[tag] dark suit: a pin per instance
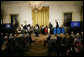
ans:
(57, 25)
(37, 31)
(25, 27)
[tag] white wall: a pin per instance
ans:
(22, 9)
(56, 11)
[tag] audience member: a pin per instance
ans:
(61, 44)
(72, 34)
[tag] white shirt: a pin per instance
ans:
(21, 28)
(48, 30)
(28, 28)
(36, 27)
(55, 37)
(43, 27)
(10, 37)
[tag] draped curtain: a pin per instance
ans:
(41, 17)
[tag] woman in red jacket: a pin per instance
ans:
(46, 30)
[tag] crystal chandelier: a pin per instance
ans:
(36, 5)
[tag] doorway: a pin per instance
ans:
(14, 21)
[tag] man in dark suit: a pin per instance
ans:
(51, 28)
(29, 29)
(28, 40)
(57, 25)
(42, 29)
(37, 30)
(11, 45)
(50, 25)
(46, 41)
(25, 26)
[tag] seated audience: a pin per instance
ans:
(51, 28)
(72, 34)
(60, 44)
(28, 40)
(46, 41)
(57, 25)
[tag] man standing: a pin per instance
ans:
(50, 25)
(51, 28)
(57, 25)
(37, 30)
(25, 26)
(29, 29)
(21, 29)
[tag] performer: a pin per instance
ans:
(42, 29)
(25, 26)
(37, 30)
(50, 25)
(57, 25)
(29, 29)
(22, 30)
(51, 28)
(21, 27)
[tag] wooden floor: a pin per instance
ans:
(40, 38)
(37, 48)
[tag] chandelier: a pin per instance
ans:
(36, 5)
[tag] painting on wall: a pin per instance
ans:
(67, 19)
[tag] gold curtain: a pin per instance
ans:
(42, 17)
